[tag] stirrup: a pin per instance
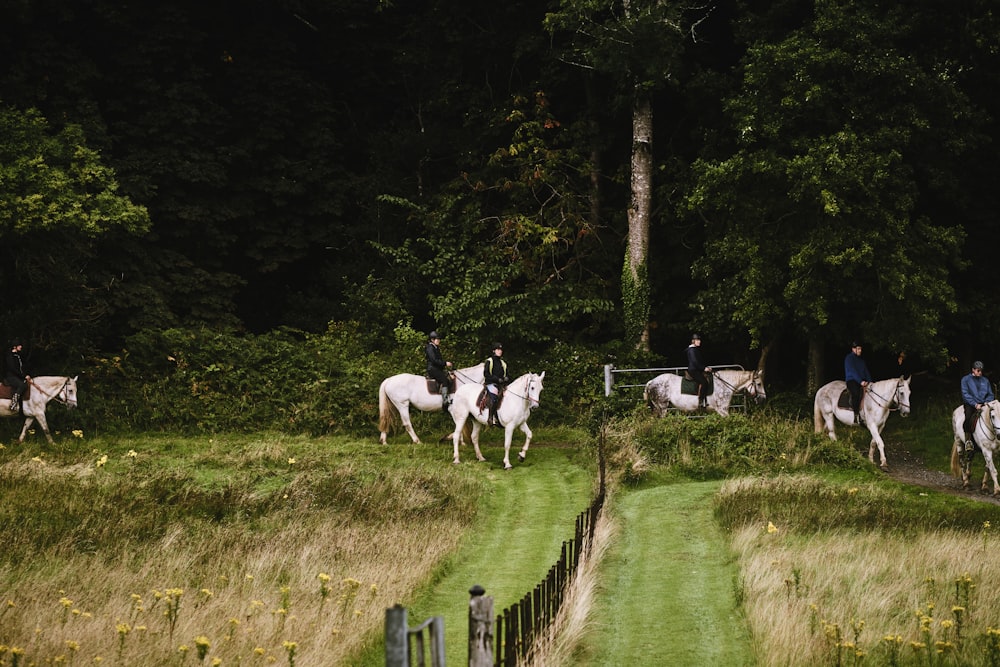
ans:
(969, 447)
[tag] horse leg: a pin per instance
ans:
(527, 441)
(24, 431)
(476, 428)
(961, 464)
(404, 416)
(508, 435)
(991, 471)
(829, 422)
(877, 441)
(456, 437)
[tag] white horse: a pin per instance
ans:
(986, 435)
(520, 397)
(665, 390)
(397, 393)
(42, 390)
(879, 399)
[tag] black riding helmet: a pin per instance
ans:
(432, 335)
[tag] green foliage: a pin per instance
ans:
(59, 202)
(809, 503)
(839, 124)
(52, 180)
(715, 447)
(213, 381)
(507, 246)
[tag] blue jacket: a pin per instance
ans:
(976, 390)
(856, 369)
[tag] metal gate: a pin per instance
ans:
(622, 378)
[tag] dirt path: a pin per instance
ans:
(908, 468)
(667, 595)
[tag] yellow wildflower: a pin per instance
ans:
(77, 433)
(771, 528)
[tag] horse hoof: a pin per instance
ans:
(520, 457)
(481, 459)
(884, 467)
(455, 462)
(508, 467)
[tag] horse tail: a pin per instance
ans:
(817, 415)
(387, 412)
(956, 460)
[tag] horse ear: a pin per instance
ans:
(542, 376)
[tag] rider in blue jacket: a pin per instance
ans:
(857, 377)
(976, 392)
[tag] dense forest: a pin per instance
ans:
(782, 177)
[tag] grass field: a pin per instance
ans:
(748, 540)
(160, 550)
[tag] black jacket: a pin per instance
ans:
(495, 371)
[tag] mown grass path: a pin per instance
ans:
(667, 593)
(521, 528)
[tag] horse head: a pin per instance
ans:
(534, 388)
(994, 412)
(68, 392)
(902, 396)
(756, 386)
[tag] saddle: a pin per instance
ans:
(434, 387)
(483, 402)
(844, 401)
(7, 392)
(689, 385)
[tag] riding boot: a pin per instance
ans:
(969, 446)
(857, 417)
(445, 398)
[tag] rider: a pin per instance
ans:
(14, 373)
(976, 391)
(697, 368)
(857, 376)
(495, 378)
(437, 367)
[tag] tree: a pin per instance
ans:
(508, 249)
(815, 219)
(57, 201)
(638, 42)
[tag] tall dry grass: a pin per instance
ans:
(872, 595)
(265, 551)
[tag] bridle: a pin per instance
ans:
(895, 400)
(532, 402)
(980, 424)
(751, 386)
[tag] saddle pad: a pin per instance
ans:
(845, 400)
(434, 387)
(483, 401)
(690, 387)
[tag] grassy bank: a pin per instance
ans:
(160, 550)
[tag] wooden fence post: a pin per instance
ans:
(397, 653)
(480, 628)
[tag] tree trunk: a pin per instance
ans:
(815, 369)
(637, 312)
